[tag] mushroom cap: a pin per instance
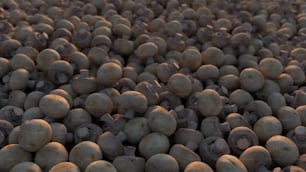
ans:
(136, 128)
(209, 103)
(100, 165)
(251, 79)
(270, 67)
(198, 166)
(255, 157)
(85, 153)
(180, 85)
(162, 121)
(64, 166)
(230, 163)
(161, 162)
(54, 106)
(213, 55)
(109, 73)
(132, 100)
(26, 166)
(283, 151)
(98, 104)
(110, 145)
(266, 127)
(183, 155)
(129, 164)
(34, 134)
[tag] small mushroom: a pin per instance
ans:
(183, 155)
(212, 148)
(198, 166)
(288, 117)
(169, 100)
(283, 151)
(129, 162)
(241, 138)
(59, 133)
(191, 138)
(150, 90)
(100, 165)
(28, 166)
(87, 132)
(236, 120)
(95, 106)
(54, 106)
(5, 129)
(130, 102)
(161, 162)
(109, 73)
(37, 40)
(298, 135)
(180, 85)
(12, 114)
(230, 163)
(213, 56)
(266, 127)
(111, 145)
(13, 154)
(64, 166)
(209, 103)
(84, 153)
(152, 144)
(256, 158)
(31, 140)
(76, 117)
(83, 83)
(50, 154)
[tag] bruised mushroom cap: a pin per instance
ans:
(34, 134)
(198, 166)
(132, 100)
(161, 162)
(85, 153)
(54, 106)
(64, 166)
(230, 163)
(283, 151)
(13, 154)
(209, 103)
(98, 104)
(26, 166)
(162, 121)
(100, 165)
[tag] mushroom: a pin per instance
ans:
(235, 120)
(251, 79)
(183, 155)
(270, 67)
(213, 56)
(12, 114)
(301, 112)
(169, 100)
(162, 121)
(129, 162)
(198, 166)
(266, 127)
(180, 85)
(241, 98)
(28, 166)
(37, 40)
(135, 129)
(301, 161)
(191, 138)
(256, 158)
(212, 148)
(209, 103)
(60, 72)
(288, 117)
(83, 83)
(130, 102)
(230, 163)
(298, 135)
(22, 61)
(84, 153)
(211, 126)
(283, 151)
(50, 154)
(152, 144)
(87, 132)
(150, 90)
(109, 73)
(296, 73)
(94, 106)
(161, 162)
(241, 138)
(31, 140)
(60, 134)
(64, 166)
(5, 129)
(185, 117)
(32, 99)
(76, 117)
(19, 79)
(4, 66)
(100, 165)
(54, 106)
(17, 98)
(13, 154)
(111, 145)
(275, 101)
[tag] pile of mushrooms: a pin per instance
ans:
(152, 86)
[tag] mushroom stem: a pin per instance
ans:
(219, 146)
(191, 145)
(225, 127)
(129, 114)
(300, 133)
(121, 136)
(84, 73)
(83, 132)
(107, 120)
(129, 150)
(243, 143)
